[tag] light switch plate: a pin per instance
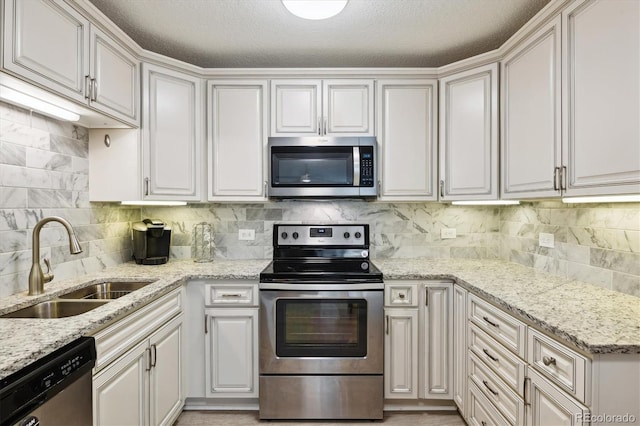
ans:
(546, 240)
(447, 233)
(246, 234)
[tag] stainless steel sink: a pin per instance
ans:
(56, 309)
(107, 290)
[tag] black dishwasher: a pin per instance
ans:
(54, 390)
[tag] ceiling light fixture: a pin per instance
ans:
(315, 9)
(29, 102)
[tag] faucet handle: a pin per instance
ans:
(48, 276)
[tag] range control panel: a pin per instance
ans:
(321, 235)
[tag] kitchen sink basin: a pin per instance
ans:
(106, 290)
(56, 309)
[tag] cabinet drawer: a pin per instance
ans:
(121, 336)
(505, 364)
(481, 411)
(559, 364)
(401, 294)
(500, 394)
(498, 324)
(231, 294)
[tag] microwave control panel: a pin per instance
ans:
(366, 166)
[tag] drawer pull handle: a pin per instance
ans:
(548, 360)
(486, 385)
(493, 358)
(491, 322)
(232, 295)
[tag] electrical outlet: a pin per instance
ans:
(447, 233)
(546, 240)
(246, 234)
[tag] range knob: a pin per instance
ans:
(364, 266)
(346, 235)
(295, 235)
(284, 235)
(358, 235)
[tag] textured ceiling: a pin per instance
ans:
(368, 33)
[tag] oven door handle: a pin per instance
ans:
(321, 287)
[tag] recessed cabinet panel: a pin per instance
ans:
(48, 42)
(469, 135)
(348, 107)
(295, 107)
(601, 97)
(531, 121)
(237, 139)
(172, 132)
(117, 75)
(438, 344)
(407, 113)
(401, 353)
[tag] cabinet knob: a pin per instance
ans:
(548, 360)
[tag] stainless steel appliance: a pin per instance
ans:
(55, 390)
(151, 241)
(322, 167)
(321, 325)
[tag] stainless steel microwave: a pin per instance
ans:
(322, 167)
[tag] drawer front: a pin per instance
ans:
(481, 411)
(127, 332)
(231, 294)
(505, 364)
(499, 393)
(498, 324)
(558, 363)
(401, 294)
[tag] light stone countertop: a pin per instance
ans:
(589, 318)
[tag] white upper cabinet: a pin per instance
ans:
(469, 135)
(407, 133)
(115, 74)
(237, 136)
(531, 115)
(47, 42)
(322, 107)
(54, 46)
(601, 97)
(172, 134)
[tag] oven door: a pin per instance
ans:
(321, 332)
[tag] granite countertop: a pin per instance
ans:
(589, 318)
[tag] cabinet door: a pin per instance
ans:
(437, 369)
(166, 390)
(550, 406)
(460, 348)
(407, 114)
(172, 134)
(601, 108)
(401, 354)
(237, 133)
(47, 42)
(296, 107)
(531, 116)
(120, 391)
(116, 76)
(232, 352)
(469, 135)
(347, 107)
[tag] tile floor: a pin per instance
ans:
(241, 418)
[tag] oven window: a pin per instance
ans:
(321, 327)
(312, 166)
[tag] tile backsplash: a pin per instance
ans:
(44, 171)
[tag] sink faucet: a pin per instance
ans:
(37, 278)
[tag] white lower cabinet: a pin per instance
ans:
(460, 349)
(231, 340)
(138, 375)
(418, 340)
(548, 405)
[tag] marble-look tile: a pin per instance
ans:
(69, 146)
(24, 177)
(11, 198)
(13, 113)
(11, 241)
(49, 198)
(40, 159)
(590, 274)
(626, 283)
(612, 216)
(12, 154)
(21, 134)
(616, 260)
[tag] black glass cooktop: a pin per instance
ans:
(321, 270)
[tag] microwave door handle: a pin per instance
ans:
(356, 166)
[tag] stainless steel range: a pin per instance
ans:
(321, 325)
